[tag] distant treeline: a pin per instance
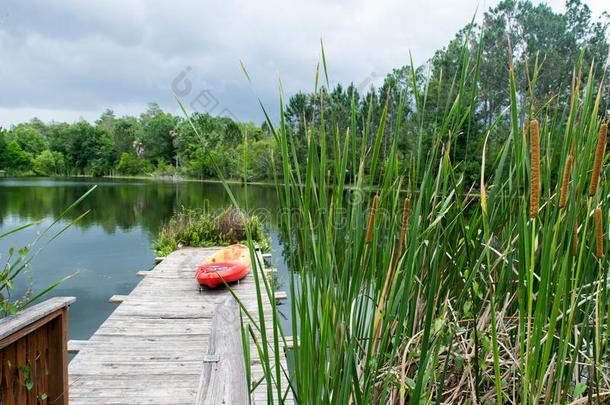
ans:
(156, 142)
(542, 45)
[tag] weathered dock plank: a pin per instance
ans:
(75, 346)
(281, 296)
(117, 299)
(223, 380)
(167, 343)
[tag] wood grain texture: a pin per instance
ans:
(223, 380)
(11, 324)
(33, 356)
(153, 348)
(75, 346)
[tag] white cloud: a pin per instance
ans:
(74, 59)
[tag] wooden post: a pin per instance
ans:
(33, 352)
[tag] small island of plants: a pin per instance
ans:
(197, 228)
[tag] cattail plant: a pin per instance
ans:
(392, 271)
(575, 240)
(599, 156)
(371, 225)
(563, 195)
(535, 168)
(599, 231)
(370, 332)
(403, 227)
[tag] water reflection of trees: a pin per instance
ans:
(125, 204)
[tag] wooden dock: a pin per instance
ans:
(167, 343)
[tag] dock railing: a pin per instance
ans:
(33, 354)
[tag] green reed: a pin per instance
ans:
(412, 286)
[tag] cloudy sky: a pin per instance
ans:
(69, 59)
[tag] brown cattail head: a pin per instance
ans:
(534, 168)
(575, 240)
(563, 195)
(599, 156)
(371, 226)
(599, 252)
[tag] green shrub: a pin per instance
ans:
(202, 164)
(98, 167)
(133, 165)
(260, 154)
(196, 228)
(165, 169)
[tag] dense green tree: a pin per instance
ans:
(125, 130)
(15, 159)
(28, 137)
(49, 163)
(58, 137)
(253, 132)
(107, 121)
(100, 152)
(261, 157)
(300, 109)
(216, 141)
(232, 132)
(87, 149)
(542, 44)
(156, 134)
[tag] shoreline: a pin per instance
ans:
(166, 179)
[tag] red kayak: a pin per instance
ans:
(214, 274)
(228, 265)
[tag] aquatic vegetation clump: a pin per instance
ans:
(197, 228)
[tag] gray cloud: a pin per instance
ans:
(69, 59)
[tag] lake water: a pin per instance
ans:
(106, 248)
